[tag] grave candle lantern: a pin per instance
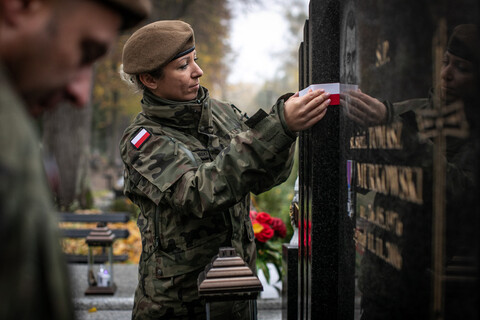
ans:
(228, 277)
(100, 279)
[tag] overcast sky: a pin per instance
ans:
(255, 39)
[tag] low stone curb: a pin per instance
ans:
(125, 303)
(102, 303)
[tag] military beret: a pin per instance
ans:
(132, 12)
(156, 44)
(464, 42)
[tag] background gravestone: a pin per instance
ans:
(389, 215)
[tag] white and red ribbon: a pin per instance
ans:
(333, 88)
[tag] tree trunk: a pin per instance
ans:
(66, 139)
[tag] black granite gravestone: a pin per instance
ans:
(389, 179)
(289, 281)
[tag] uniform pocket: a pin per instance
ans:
(184, 261)
(249, 230)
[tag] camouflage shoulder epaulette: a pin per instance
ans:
(236, 109)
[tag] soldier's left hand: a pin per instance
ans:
(303, 112)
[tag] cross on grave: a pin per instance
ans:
(447, 120)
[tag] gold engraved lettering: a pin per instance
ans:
(411, 185)
(394, 138)
(393, 223)
(362, 212)
(383, 180)
(361, 176)
(390, 138)
(402, 182)
(387, 251)
(392, 175)
(375, 137)
(371, 242)
(358, 142)
(371, 214)
(371, 176)
(379, 247)
(361, 238)
(399, 228)
(386, 137)
(386, 219)
(380, 217)
(394, 256)
(418, 185)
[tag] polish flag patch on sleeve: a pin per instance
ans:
(140, 138)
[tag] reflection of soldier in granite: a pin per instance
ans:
(450, 110)
(459, 83)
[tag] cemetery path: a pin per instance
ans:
(119, 306)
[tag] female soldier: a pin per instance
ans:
(190, 163)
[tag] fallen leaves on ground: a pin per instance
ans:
(132, 246)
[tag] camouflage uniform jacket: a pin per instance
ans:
(192, 177)
(33, 273)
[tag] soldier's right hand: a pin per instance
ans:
(303, 112)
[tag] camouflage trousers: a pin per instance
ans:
(177, 298)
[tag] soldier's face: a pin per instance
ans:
(60, 47)
(180, 80)
(458, 78)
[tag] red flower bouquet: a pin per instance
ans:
(267, 230)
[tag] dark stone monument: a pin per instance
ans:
(290, 264)
(389, 217)
(289, 281)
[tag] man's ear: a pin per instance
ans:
(148, 81)
(12, 11)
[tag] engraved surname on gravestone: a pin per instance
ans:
(381, 137)
(386, 137)
(400, 181)
(359, 141)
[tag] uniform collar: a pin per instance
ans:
(180, 114)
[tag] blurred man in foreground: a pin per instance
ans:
(47, 50)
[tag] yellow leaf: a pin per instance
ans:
(92, 310)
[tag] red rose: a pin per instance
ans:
(264, 217)
(265, 234)
(279, 227)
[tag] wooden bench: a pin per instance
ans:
(114, 217)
